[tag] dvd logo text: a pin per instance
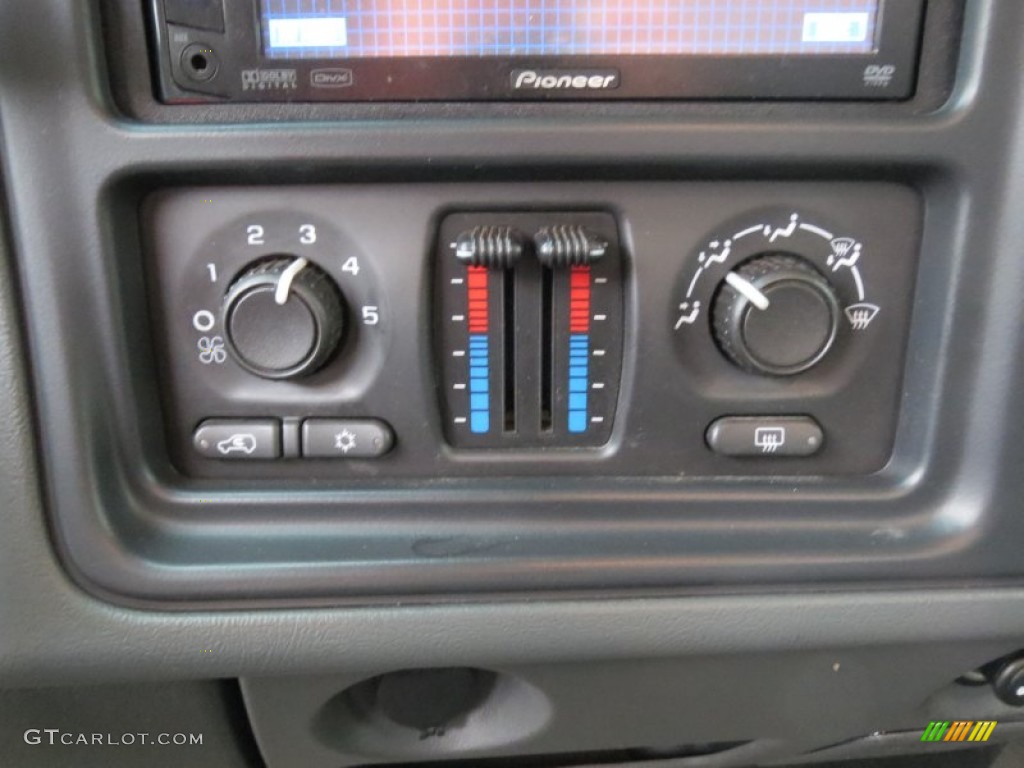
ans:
(562, 80)
(879, 75)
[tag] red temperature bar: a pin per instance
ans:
(579, 300)
(477, 287)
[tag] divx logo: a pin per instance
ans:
(565, 79)
(331, 78)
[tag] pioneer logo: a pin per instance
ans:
(331, 78)
(565, 79)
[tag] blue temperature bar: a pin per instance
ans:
(579, 381)
(479, 384)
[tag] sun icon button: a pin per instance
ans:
(346, 438)
(345, 441)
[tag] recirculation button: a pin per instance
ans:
(238, 439)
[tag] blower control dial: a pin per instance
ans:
(775, 315)
(284, 318)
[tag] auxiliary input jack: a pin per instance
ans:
(199, 62)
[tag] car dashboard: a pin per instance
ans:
(483, 402)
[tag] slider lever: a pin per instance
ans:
(490, 246)
(568, 246)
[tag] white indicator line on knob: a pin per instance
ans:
(749, 290)
(284, 282)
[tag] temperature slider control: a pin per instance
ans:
(529, 328)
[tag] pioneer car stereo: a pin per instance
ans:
(459, 50)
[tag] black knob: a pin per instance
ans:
(283, 318)
(775, 315)
(1008, 683)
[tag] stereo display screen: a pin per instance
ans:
(366, 29)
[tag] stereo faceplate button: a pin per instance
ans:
(765, 436)
(238, 439)
(346, 438)
(200, 14)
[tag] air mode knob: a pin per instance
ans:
(284, 318)
(775, 315)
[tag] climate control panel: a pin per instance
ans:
(529, 328)
(795, 318)
(362, 333)
(779, 296)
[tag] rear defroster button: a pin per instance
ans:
(346, 438)
(765, 436)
